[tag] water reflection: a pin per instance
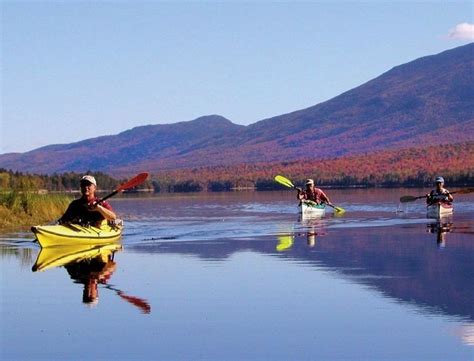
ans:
(210, 251)
(400, 265)
(441, 227)
(90, 266)
(92, 272)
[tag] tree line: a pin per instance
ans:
(64, 182)
(394, 168)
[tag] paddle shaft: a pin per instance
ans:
(406, 199)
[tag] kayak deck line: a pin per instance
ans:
(92, 232)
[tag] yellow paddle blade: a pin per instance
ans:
(339, 210)
(284, 243)
(284, 181)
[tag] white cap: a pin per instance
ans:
(309, 181)
(89, 179)
(439, 180)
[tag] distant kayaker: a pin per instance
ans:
(440, 194)
(86, 210)
(312, 193)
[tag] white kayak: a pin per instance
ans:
(438, 210)
(312, 210)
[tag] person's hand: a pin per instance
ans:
(93, 206)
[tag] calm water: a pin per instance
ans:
(237, 276)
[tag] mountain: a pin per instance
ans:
(428, 101)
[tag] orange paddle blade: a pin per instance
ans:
(135, 181)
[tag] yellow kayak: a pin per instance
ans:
(75, 234)
(51, 257)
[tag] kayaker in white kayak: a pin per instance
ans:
(440, 194)
(312, 193)
(86, 210)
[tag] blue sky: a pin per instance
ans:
(72, 70)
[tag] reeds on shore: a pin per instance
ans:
(21, 210)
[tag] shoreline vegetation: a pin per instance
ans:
(21, 210)
(28, 199)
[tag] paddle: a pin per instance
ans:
(405, 199)
(288, 183)
(135, 181)
(142, 304)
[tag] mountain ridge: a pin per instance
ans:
(429, 100)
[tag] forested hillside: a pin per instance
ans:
(408, 167)
(428, 101)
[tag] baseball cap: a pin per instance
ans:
(89, 178)
(309, 181)
(439, 180)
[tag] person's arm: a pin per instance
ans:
(108, 214)
(449, 196)
(324, 197)
(300, 194)
(105, 209)
(429, 198)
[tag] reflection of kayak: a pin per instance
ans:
(64, 255)
(74, 234)
(312, 210)
(439, 209)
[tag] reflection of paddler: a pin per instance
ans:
(440, 229)
(98, 270)
(311, 239)
(87, 265)
(90, 273)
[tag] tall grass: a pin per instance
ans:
(20, 210)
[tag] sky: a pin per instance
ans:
(73, 70)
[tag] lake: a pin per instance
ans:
(237, 276)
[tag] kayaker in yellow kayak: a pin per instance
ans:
(87, 210)
(440, 194)
(311, 193)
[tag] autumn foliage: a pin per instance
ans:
(406, 167)
(391, 168)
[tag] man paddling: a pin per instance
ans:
(87, 210)
(311, 193)
(440, 194)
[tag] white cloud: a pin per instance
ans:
(463, 31)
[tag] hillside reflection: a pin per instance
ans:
(402, 266)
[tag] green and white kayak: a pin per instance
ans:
(75, 234)
(310, 209)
